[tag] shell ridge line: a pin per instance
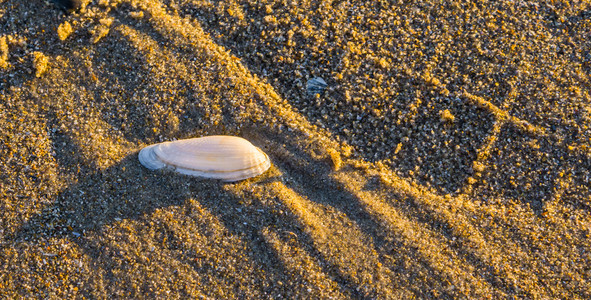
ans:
(191, 151)
(220, 171)
(173, 163)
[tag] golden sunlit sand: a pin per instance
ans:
(448, 156)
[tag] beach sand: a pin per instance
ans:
(448, 157)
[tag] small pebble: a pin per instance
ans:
(315, 86)
(68, 5)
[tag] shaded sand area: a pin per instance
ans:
(449, 156)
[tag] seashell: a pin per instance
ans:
(228, 158)
(315, 86)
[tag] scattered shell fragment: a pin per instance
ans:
(228, 158)
(335, 157)
(3, 52)
(40, 62)
(315, 86)
(446, 116)
(64, 30)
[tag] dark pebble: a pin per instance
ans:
(68, 5)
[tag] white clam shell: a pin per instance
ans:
(228, 158)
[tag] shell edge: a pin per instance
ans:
(149, 159)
